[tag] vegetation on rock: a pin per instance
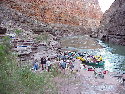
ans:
(15, 79)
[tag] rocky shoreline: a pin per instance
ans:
(84, 82)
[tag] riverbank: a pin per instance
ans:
(84, 82)
(81, 81)
(113, 55)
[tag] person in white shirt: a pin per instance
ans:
(48, 64)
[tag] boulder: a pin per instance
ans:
(2, 30)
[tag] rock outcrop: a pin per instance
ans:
(3, 30)
(72, 12)
(13, 17)
(112, 28)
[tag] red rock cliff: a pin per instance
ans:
(72, 12)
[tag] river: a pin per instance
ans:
(113, 55)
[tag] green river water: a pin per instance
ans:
(113, 55)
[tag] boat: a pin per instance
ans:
(98, 62)
(101, 63)
(80, 58)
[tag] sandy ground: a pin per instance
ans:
(84, 82)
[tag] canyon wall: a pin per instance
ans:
(12, 20)
(72, 12)
(112, 27)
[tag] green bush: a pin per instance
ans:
(6, 68)
(18, 31)
(55, 70)
(21, 80)
(42, 37)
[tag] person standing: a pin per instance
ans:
(43, 63)
(71, 66)
(48, 64)
(35, 65)
(63, 65)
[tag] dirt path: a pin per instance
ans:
(84, 82)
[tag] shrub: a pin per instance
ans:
(21, 80)
(42, 37)
(18, 31)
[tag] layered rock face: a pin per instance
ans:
(72, 12)
(12, 20)
(112, 28)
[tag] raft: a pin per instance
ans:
(101, 63)
(80, 58)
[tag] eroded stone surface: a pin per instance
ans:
(112, 26)
(71, 12)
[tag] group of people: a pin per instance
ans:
(47, 64)
(44, 64)
(66, 61)
(66, 64)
